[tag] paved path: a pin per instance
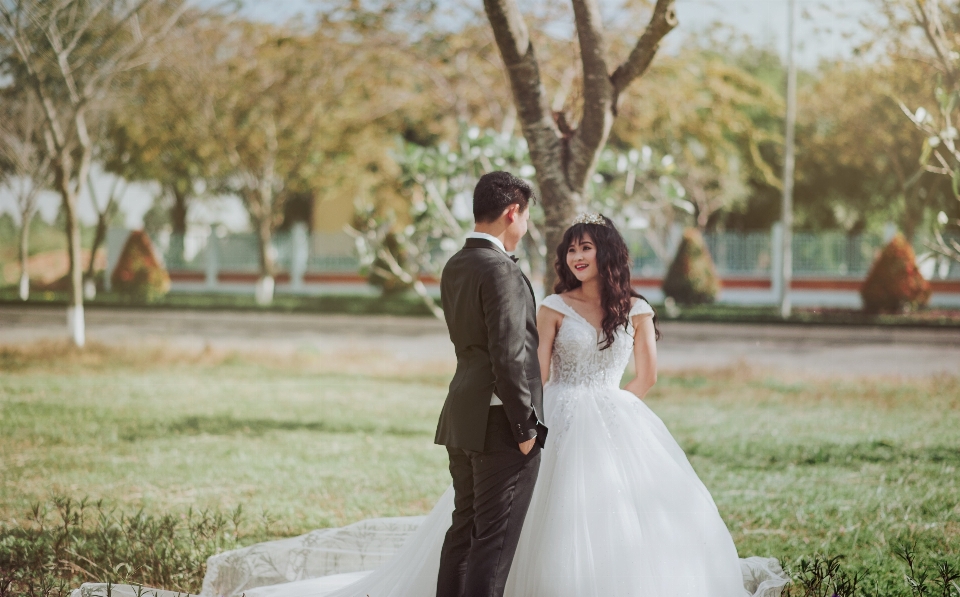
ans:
(821, 351)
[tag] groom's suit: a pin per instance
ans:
(491, 317)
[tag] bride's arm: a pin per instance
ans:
(548, 321)
(644, 355)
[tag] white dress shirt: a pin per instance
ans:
(494, 400)
(483, 235)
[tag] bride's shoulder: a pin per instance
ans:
(554, 303)
(640, 306)
(551, 299)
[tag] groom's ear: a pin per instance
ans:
(512, 212)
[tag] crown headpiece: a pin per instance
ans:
(590, 218)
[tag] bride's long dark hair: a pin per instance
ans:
(613, 265)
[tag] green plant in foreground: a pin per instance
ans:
(942, 582)
(824, 576)
(81, 542)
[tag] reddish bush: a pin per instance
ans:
(138, 273)
(692, 278)
(894, 284)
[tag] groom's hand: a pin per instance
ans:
(526, 446)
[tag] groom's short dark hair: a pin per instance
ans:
(495, 191)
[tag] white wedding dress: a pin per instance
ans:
(617, 511)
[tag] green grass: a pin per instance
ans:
(796, 467)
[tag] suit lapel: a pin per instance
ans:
(529, 287)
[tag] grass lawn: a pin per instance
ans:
(796, 467)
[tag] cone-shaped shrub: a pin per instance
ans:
(894, 284)
(692, 279)
(138, 274)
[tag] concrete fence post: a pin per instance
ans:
(212, 259)
(776, 261)
(300, 253)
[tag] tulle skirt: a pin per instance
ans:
(617, 511)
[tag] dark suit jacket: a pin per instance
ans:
(491, 317)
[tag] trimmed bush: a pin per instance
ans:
(139, 274)
(894, 284)
(692, 278)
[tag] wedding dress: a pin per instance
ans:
(617, 511)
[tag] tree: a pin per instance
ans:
(938, 45)
(158, 131)
(564, 156)
(724, 136)
(278, 102)
(397, 249)
(106, 211)
(858, 156)
(70, 53)
(24, 166)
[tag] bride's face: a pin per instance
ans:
(582, 258)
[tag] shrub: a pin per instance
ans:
(894, 284)
(692, 278)
(138, 274)
(48, 553)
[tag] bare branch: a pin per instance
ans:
(513, 40)
(664, 19)
(119, 63)
(82, 28)
(927, 18)
(598, 95)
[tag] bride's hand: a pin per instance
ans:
(526, 446)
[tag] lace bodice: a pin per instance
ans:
(577, 358)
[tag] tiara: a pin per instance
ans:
(588, 218)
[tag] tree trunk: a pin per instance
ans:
(75, 319)
(25, 218)
(565, 157)
(559, 208)
(98, 237)
(178, 219)
(265, 286)
(912, 210)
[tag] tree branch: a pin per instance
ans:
(929, 21)
(599, 95)
(57, 140)
(664, 19)
(513, 40)
(116, 65)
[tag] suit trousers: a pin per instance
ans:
(492, 491)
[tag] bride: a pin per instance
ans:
(617, 511)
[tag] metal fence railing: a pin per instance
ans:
(815, 255)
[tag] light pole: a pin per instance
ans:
(786, 250)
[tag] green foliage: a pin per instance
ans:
(396, 249)
(894, 283)
(637, 189)
(725, 137)
(47, 554)
(692, 278)
(138, 273)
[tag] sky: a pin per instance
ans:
(825, 30)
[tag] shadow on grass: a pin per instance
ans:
(773, 456)
(227, 425)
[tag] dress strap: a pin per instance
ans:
(557, 304)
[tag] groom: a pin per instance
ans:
(491, 420)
